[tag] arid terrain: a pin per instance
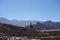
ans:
(10, 30)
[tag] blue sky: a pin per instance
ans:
(41, 10)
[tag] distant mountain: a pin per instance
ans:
(36, 24)
(46, 25)
(16, 22)
(55, 25)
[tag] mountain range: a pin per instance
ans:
(37, 25)
(48, 25)
(16, 22)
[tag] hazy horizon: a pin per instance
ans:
(26, 20)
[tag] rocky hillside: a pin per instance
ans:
(10, 30)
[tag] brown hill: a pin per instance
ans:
(10, 30)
